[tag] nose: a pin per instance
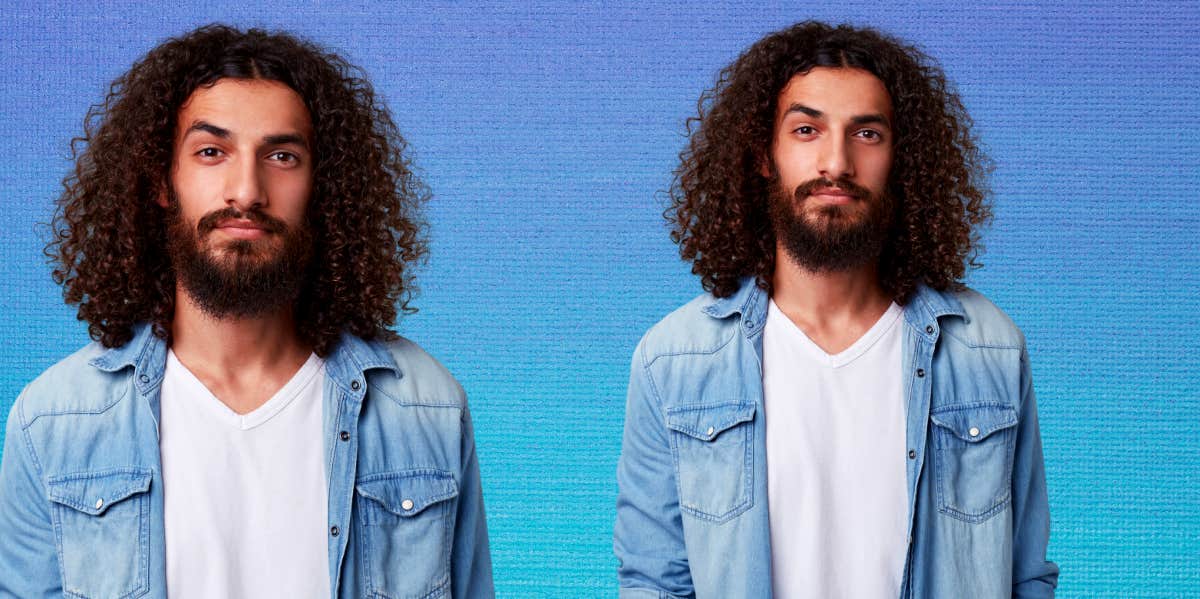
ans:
(836, 160)
(243, 190)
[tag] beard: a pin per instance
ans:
(242, 277)
(832, 237)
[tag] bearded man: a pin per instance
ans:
(838, 416)
(238, 234)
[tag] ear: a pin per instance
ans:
(764, 164)
(160, 197)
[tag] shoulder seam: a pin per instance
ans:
(697, 352)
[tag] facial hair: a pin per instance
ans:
(243, 277)
(833, 237)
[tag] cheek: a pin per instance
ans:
(877, 169)
(290, 191)
(191, 191)
(794, 164)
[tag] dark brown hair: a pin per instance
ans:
(109, 235)
(719, 200)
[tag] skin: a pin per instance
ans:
(832, 123)
(246, 144)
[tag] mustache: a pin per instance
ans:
(210, 221)
(807, 188)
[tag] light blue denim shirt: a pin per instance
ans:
(692, 510)
(81, 491)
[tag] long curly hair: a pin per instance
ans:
(109, 235)
(719, 199)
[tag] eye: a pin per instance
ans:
(870, 135)
(805, 130)
(283, 157)
(209, 152)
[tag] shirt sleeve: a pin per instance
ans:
(1033, 575)
(648, 535)
(28, 558)
(471, 558)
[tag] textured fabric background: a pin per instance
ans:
(548, 133)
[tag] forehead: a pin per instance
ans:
(836, 92)
(250, 107)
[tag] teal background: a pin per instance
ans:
(548, 133)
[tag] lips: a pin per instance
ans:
(232, 221)
(240, 224)
(833, 193)
(841, 191)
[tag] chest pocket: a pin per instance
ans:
(406, 522)
(713, 448)
(974, 444)
(101, 521)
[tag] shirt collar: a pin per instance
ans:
(750, 301)
(147, 354)
(353, 357)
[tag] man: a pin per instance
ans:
(838, 416)
(237, 235)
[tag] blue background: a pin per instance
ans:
(548, 133)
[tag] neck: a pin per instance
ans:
(241, 360)
(834, 308)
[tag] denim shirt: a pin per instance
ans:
(692, 516)
(81, 491)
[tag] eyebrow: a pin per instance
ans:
(208, 128)
(286, 138)
(863, 119)
(813, 112)
(867, 119)
(277, 139)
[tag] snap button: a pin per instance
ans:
(920, 373)
(929, 329)
(144, 378)
(354, 385)
(974, 431)
(99, 503)
(912, 454)
(333, 530)
(407, 504)
(710, 431)
(345, 436)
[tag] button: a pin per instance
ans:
(974, 432)
(920, 373)
(144, 378)
(407, 504)
(929, 329)
(99, 503)
(354, 385)
(345, 436)
(710, 431)
(333, 530)
(912, 454)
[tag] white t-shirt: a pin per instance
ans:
(837, 494)
(245, 495)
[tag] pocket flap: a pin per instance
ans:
(973, 423)
(407, 493)
(707, 422)
(92, 492)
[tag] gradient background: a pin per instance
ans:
(548, 133)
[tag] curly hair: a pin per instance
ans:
(109, 235)
(718, 208)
